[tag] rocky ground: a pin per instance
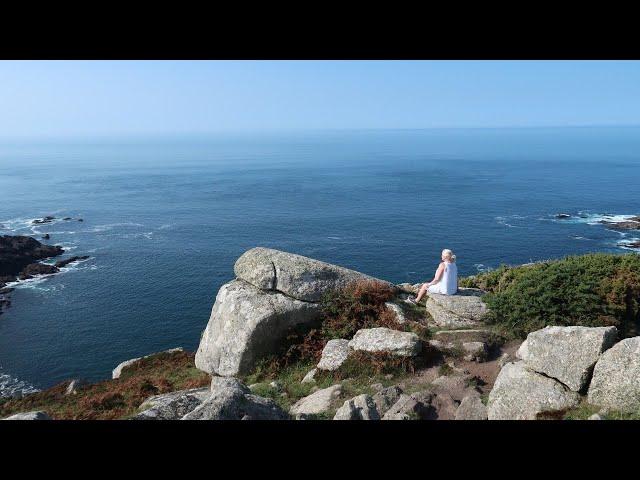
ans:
(377, 358)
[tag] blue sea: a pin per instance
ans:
(165, 218)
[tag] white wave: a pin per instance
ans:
(110, 226)
(480, 268)
(165, 226)
(11, 386)
(504, 221)
(334, 238)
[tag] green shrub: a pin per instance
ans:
(591, 290)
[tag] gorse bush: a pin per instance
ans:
(590, 290)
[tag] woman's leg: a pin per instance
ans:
(421, 292)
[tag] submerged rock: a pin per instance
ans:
(567, 354)
(616, 377)
(67, 261)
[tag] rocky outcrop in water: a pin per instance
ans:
(632, 223)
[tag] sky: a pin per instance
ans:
(69, 98)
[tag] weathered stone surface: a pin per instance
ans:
(385, 398)
(37, 415)
(416, 406)
(296, 276)
(118, 370)
(361, 407)
(445, 406)
(464, 309)
(504, 359)
(567, 354)
(616, 377)
(457, 386)
(595, 416)
(309, 377)
(334, 353)
(316, 403)
(471, 408)
(386, 340)
(229, 399)
(397, 311)
(247, 323)
(475, 351)
(172, 406)
(521, 394)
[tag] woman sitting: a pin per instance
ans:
(445, 280)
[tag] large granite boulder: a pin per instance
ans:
(463, 335)
(317, 403)
(334, 354)
(127, 363)
(566, 354)
(361, 407)
(522, 394)
(247, 323)
(464, 309)
(296, 276)
(616, 377)
(385, 340)
(229, 399)
(36, 415)
(173, 405)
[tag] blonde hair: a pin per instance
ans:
(446, 253)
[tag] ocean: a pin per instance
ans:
(166, 217)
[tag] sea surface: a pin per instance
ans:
(166, 217)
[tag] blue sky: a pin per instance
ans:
(39, 98)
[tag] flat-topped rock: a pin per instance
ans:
(296, 276)
(334, 354)
(567, 354)
(378, 340)
(247, 323)
(464, 309)
(522, 394)
(471, 408)
(616, 377)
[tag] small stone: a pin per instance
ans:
(386, 398)
(595, 416)
(361, 407)
(400, 318)
(381, 339)
(471, 408)
(475, 351)
(334, 354)
(316, 403)
(309, 377)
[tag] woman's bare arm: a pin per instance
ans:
(438, 274)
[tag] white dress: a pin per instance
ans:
(448, 284)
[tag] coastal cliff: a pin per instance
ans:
(292, 337)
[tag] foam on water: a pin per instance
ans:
(12, 387)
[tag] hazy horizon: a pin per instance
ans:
(45, 99)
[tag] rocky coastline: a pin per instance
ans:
(21, 259)
(442, 360)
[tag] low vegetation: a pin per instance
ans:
(118, 398)
(592, 290)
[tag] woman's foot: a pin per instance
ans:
(411, 300)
